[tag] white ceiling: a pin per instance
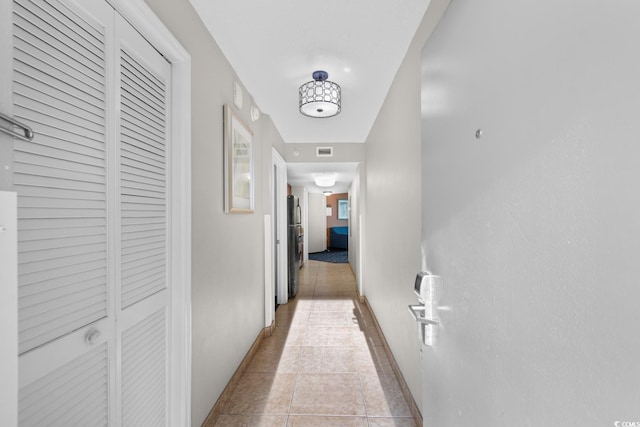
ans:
(274, 47)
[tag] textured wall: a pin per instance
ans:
(356, 199)
(534, 227)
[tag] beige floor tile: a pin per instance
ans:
(324, 364)
(321, 292)
(261, 394)
(372, 359)
(288, 334)
(365, 337)
(272, 357)
(334, 421)
(297, 318)
(298, 315)
(383, 396)
(306, 293)
(336, 318)
(391, 422)
(332, 304)
(328, 359)
(328, 394)
(328, 335)
(252, 421)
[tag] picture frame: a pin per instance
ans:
(343, 209)
(238, 164)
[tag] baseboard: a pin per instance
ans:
(214, 414)
(268, 331)
(415, 412)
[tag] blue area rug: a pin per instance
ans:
(338, 256)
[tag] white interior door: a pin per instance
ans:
(142, 309)
(93, 246)
(280, 226)
(65, 275)
(317, 227)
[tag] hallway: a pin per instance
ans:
(324, 365)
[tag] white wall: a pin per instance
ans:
(392, 221)
(534, 227)
(317, 227)
(356, 200)
(307, 153)
(228, 249)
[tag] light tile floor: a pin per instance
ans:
(324, 365)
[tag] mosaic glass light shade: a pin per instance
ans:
(320, 97)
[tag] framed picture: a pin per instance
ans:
(343, 209)
(238, 164)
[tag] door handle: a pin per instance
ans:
(415, 310)
(28, 132)
(92, 336)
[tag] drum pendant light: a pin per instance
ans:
(320, 98)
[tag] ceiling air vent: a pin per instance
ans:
(324, 151)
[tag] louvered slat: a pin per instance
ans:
(73, 395)
(144, 380)
(60, 177)
(143, 181)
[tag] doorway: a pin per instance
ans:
(279, 227)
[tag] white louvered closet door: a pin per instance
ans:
(65, 318)
(92, 217)
(142, 285)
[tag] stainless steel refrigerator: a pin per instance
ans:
(294, 252)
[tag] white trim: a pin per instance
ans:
(305, 223)
(359, 269)
(281, 194)
(269, 308)
(8, 307)
(144, 20)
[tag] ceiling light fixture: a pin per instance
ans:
(325, 179)
(320, 97)
(327, 192)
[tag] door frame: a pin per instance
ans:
(280, 218)
(145, 21)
